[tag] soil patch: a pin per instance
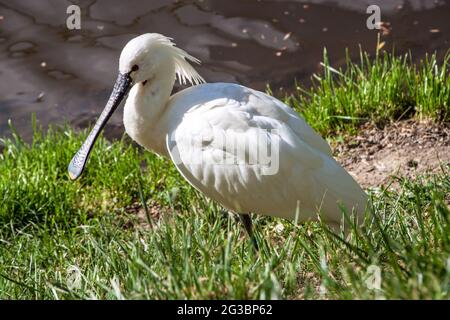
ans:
(140, 217)
(405, 148)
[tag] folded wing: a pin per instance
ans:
(252, 153)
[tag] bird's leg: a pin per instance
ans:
(247, 222)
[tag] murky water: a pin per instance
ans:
(67, 75)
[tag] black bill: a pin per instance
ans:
(121, 88)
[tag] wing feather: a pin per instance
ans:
(231, 114)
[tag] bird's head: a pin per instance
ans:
(145, 56)
(142, 59)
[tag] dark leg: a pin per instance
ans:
(247, 222)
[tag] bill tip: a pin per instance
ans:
(73, 175)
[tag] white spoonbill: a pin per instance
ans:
(217, 134)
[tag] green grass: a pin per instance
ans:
(53, 231)
(379, 89)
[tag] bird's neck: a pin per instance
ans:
(145, 108)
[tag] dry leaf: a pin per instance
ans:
(381, 45)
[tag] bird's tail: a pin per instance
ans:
(341, 195)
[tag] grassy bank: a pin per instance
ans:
(132, 228)
(380, 89)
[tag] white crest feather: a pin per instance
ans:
(184, 70)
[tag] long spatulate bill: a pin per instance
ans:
(121, 88)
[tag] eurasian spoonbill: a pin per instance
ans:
(217, 134)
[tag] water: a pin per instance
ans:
(67, 75)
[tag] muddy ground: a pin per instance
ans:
(405, 148)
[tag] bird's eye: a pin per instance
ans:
(135, 68)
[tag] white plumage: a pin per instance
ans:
(192, 124)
